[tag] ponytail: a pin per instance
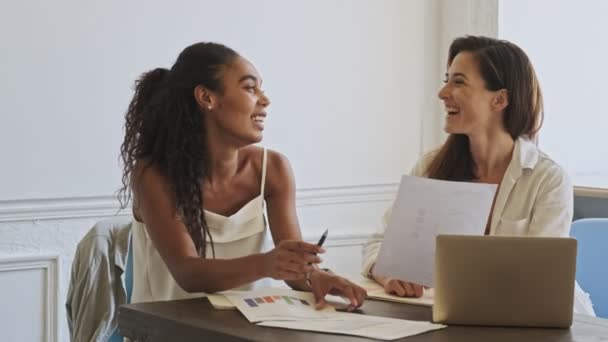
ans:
(146, 86)
(150, 136)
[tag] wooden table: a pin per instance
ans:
(196, 320)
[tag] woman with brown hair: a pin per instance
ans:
(494, 109)
(200, 187)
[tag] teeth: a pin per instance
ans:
(452, 110)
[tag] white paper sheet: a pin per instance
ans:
(382, 328)
(274, 304)
(588, 328)
(423, 209)
(220, 301)
(376, 291)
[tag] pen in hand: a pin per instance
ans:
(320, 244)
(322, 239)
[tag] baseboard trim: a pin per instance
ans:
(104, 206)
(50, 264)
(59, 208)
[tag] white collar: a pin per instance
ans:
(525, 155)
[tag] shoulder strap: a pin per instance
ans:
(264, 170)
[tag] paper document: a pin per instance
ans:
(220, 301)
(376, 291)
(589, 328)
(423, 209)
(284, 308)
(382, 328)
(274, 304)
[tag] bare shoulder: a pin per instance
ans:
(147, 181)
(277, 163)
(279, 175)
(145, 174)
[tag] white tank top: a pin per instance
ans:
(240, 234)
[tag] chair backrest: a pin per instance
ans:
(116, 336)
(591, 274)
(103, 258)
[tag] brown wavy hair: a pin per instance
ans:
(502, 65)
(165, 128)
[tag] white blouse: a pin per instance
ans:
(535, 198)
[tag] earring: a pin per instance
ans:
(209, 107)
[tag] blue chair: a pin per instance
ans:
(592, 237)
(116, 336)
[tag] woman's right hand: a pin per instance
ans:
(291, 260)
(401, 288)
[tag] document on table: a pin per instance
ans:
(275, 304)
(423, 209)
(284, 308)
(588, 328)
(220, 301)
(376, 291)
(382, 328)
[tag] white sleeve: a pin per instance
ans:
(553, 208)
(371, 248)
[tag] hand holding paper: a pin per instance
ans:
(423, 209)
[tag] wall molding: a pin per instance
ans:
(103, 206)
(340, 239)
(50, 265)
(59, 208)
(364, 193)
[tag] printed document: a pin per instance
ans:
(423, 209)
(284, 308)
(274, 304)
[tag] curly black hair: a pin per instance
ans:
(165, 128)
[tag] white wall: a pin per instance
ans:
(566, 41)
(455, 19)
(332, 68)
(353, 86)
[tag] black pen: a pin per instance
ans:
(320, 244)
(322, 239)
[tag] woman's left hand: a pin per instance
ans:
(324, 283)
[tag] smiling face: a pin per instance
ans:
(471, 108)
(236, 113)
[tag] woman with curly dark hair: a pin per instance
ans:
(199, 186)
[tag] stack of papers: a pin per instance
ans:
(284, 308)
(376, 291)
(382, 328)
(220, 301)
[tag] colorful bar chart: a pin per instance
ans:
(258, 301)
